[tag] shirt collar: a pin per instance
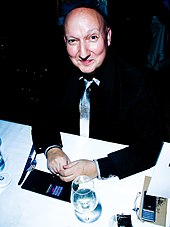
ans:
(93, 79)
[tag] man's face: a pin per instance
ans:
(86, 38)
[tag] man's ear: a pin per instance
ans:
(109, 36)
(65, 39)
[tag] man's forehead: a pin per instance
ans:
(83, 13)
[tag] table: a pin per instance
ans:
(23, 208)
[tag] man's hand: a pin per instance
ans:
(56, 160)
(76, 168)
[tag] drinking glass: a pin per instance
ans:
(5, 178)
(84, 199)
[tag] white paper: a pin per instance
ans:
(160, 180)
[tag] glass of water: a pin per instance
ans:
(84, 199)
(5, 178)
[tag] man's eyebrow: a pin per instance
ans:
(91, 31)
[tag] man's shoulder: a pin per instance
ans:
(132, 80)
(129, 70)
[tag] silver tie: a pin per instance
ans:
(84, 107)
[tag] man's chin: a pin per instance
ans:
(87, 69)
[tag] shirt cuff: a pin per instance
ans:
(97, 168)
(50, 147)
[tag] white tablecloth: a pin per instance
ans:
(23, 208)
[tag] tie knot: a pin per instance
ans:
(89, 82)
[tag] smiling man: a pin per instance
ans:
(102, 95)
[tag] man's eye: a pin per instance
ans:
(71, 41)
(94, 38)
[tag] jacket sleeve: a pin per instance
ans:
(142, 111)
(45, 128)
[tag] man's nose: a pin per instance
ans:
(84, 51)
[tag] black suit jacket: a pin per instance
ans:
(123, 110)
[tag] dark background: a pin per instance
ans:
(28, 47)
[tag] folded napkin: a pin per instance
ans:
(47, 184)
